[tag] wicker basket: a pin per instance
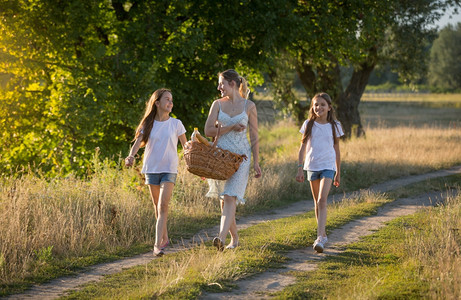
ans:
(211, 161)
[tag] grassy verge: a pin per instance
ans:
(414, 257)
(184, 275)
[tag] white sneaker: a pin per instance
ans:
(324, 240)
(318, 245)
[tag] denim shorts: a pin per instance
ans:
(314, 175)
(158, 178)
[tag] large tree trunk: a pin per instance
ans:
(320, 78)
(347, 104)
(328, 79)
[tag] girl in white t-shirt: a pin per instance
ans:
(159, 133)
(319, 155)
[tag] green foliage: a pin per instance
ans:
(44, 254)
(75, 75)
(444, 66)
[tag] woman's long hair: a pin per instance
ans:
(147, 122)
(331, 117)
(242, 84)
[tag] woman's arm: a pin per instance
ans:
(337, 179)
(254, 137)
(129, 160)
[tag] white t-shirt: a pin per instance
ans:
(161, 153)
(320, 154)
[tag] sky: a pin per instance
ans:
(445, 20)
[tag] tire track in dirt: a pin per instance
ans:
(261, 285)
(58, 287)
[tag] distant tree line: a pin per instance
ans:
(443, 71)
(445, 60)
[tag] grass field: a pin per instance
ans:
(387, 258)
(428, 110)
(50, 228)
(412, 97)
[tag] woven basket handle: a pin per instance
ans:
(217, 135)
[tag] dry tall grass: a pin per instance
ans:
(42, 219)
(411, 97)
(437, 249)
(196, 265)
(400, 151)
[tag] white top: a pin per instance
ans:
(237, 142)
(161, 153)
(320, 154)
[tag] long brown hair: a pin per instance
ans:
(242, 84)
(147, 122)
(331, 117)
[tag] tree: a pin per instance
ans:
(76, 74)
(360, 35)
(445, 65)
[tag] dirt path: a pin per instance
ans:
(60, 286)
(260, 285)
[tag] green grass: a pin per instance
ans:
(262, 247)
(386, 265)
(426, 186)
(371, 269)
(46, 270)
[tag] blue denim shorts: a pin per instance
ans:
(158, 178)
(314, 175)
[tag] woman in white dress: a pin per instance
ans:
(236, 115)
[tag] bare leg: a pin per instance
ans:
(161, 196)
(322, 186)
(315, 186)
(161, 232)
(227, 217)
(232, 229)
(154, 193)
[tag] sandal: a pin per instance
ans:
(232, 246)
(162, 247)
(158, 252)
(218, 244)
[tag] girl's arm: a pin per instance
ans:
(211, 130)
(254, 138)
(301, 156)
(183, 139)
(129, 160)
(337, 179)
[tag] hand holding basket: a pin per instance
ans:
(211, 161)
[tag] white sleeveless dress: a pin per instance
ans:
(236, 142)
